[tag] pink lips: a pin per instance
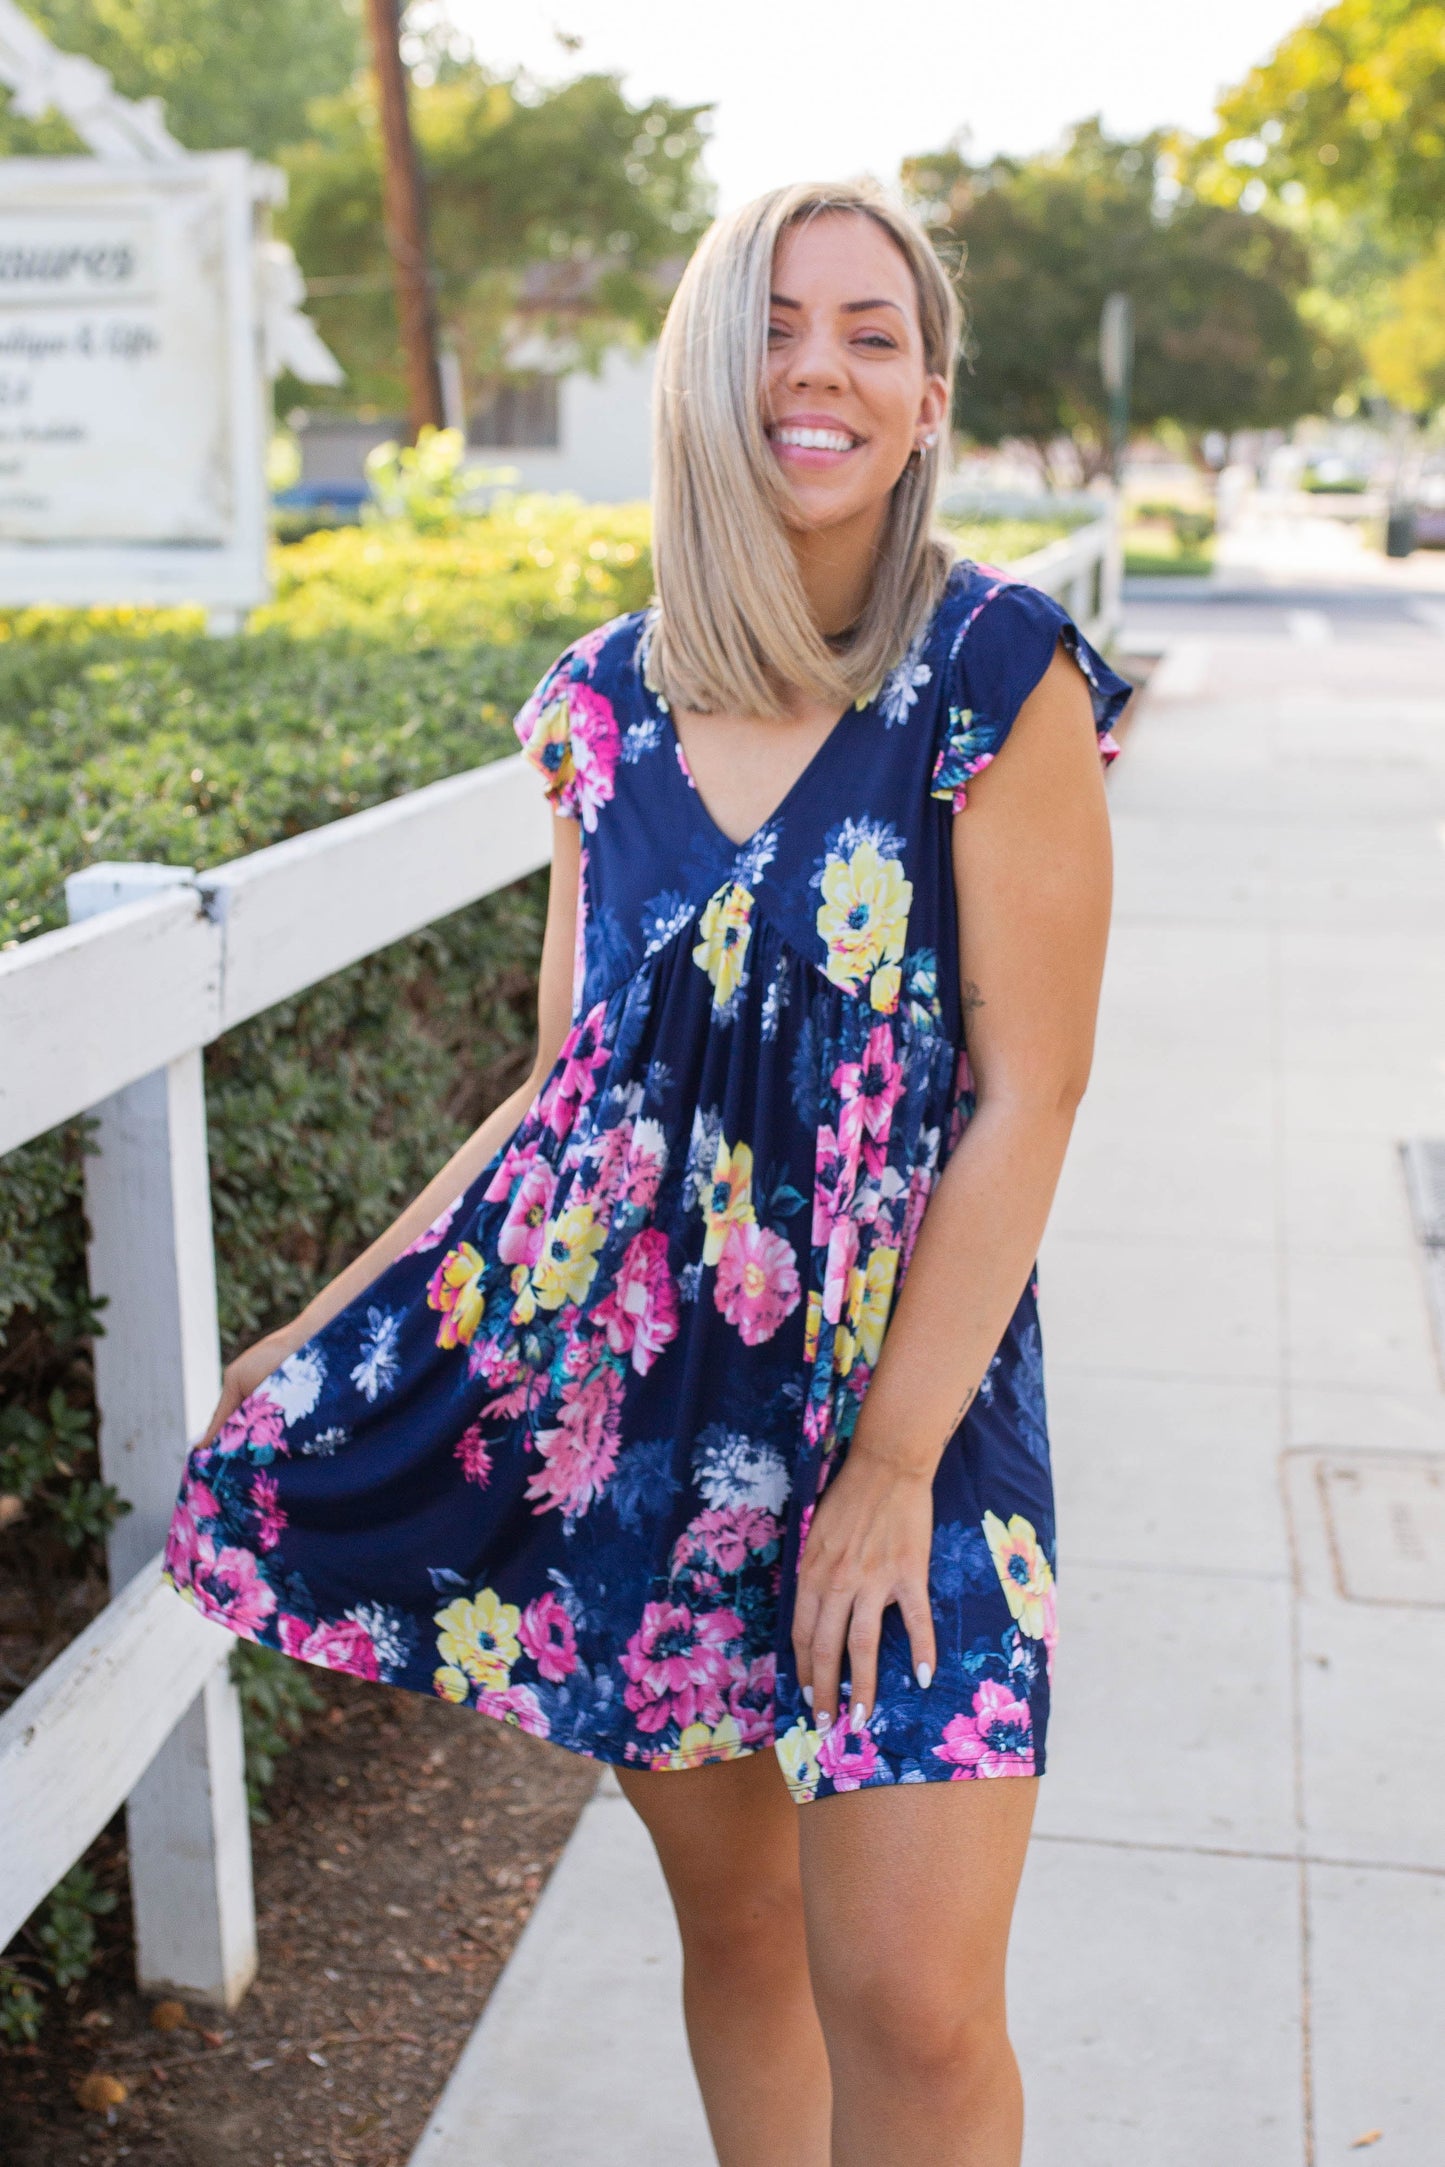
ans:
(811, 455)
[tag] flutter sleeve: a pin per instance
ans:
(568, 729)
(998, 659)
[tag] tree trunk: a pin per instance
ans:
(406, 220)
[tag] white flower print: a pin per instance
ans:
(732, 1469)
(324, 1443)
(903, 684)
(379, 1367)
(391, 1634)
(756, 855)
(296, 1386)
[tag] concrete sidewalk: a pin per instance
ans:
(1229, 1944)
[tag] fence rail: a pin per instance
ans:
(109, 1015)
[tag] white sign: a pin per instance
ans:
(133, 401)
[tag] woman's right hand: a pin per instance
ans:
(242, 1376)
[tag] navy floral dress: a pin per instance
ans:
(558, 1462)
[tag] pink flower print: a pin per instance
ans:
(575, 1078)
(581, 1452)
(842, 1254)
(474, 1456)
(258, 1421)
(517, 1705)
(750, 1700)
(231, 1588)
(832, 1185)
(519, 1240)
(434, 1233)
(646, 1163)
(596, 743)
(726, 1536)
(510, 1168)
(639, 1315)
(335, 1644)
(589, 647)
(678, 1665)
(848, 1758)
(920, 1188)
(757, 1281)
(869, 1089)
(187, 1548)
(266, 1504)
(996, 1740)
(455, 1288)
(546, 1634)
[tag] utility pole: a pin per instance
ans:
(406, 219)
(1116, 366)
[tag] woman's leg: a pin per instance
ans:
(727, 1836)
(908, 1894)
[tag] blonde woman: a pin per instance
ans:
(692, 1417)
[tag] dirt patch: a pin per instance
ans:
(407, 1845)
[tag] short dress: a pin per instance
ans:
(558, 1462)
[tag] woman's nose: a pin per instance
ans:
(814, 361)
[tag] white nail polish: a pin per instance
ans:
(825, 1723)
(925, 1675)
(858, 1715)
(808, 1695)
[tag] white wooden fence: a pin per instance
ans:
(110, 1015)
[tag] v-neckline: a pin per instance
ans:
(690, 780)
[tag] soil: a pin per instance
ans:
(407, 1844)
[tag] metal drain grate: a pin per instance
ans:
(1386, 1522)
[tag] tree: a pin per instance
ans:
(1349, 108)
(570, 201)
(1220, 342)
(1406, 353)
(232, 76)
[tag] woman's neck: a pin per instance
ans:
(835, 565)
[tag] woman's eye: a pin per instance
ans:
(877, 338)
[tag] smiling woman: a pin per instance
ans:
(693, 1416)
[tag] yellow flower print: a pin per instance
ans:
(797, 1752)
(524, 1301)
(863, 916)
(451, 1683)
(812, 1325)
(480, 1637)
(884, 988)
(1024, 1571)
(727, 1200)
(456, 1290)
(870, 1297)
(549, 747)
(726, 928)
(567, 1261)
(700, 1742)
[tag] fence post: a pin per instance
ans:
(157, 1375)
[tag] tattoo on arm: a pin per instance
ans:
(972, 998)
(968, 1399)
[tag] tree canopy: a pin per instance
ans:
(1220, 342)
(1406, 352)
(571, 201)
(232, 77)
(1350, 108)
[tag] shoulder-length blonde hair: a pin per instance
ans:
(733, 631)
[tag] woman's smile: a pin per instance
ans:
(813, 440)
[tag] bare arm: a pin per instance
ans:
(1032, 876)
(554, 1004)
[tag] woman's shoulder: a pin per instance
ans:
(569, 729)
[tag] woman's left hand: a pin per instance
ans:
(868, 1546)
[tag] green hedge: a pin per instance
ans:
(387, 659)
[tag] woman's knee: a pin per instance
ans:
(899, 2018)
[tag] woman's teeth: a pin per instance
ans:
(815, 439)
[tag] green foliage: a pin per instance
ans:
(45, 1473)
(1220, 340)
(423, 483)
(1349, 109)
(1005, 541)
(66, 1934)
(276, 1698)
(21, 2009)
(606, 195)
(231, 78)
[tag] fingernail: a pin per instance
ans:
(808, 1695)
(858, 1715)
(825, 1722)
(924, 1675)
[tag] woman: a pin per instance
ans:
(604, 1436)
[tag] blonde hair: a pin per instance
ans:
(733, 631)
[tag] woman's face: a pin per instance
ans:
(848, 396)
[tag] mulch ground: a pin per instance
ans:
(407, 1844)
